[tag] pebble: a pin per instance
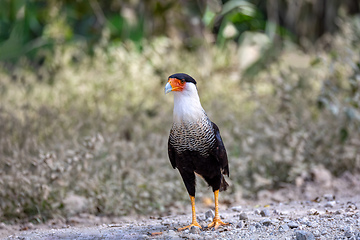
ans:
(257, 212)
(348, 234)
(312, 224)
(236, 208)
(240, 224)
(329, 197)
(316, 233)
(243, 216)
(346, 228)
(284, 228)
(330, 204)
(257, 225)
(209, 214)
(313, 212)
(304, 235)
(265, 213)
(266, 222)
(195, 230)
(303, 220)
(277, 212)
(252, 228)
(293, 224)
(339, 211)
(286, 220)
(143, 237)
(3, 225)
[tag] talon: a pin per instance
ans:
(188, 227)
(217, 223)
(194, 222)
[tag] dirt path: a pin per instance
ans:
(329, 209)
(325, 219)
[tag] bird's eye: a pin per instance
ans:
(182, 81)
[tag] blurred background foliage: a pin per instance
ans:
(84, 124)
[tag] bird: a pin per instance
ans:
(195, 146)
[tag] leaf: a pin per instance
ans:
(244, 7)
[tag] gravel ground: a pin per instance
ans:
(326, 217)
(328, 209)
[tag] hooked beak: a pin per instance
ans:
(175, 85)
(168, 88)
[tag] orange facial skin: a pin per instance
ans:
(177, 84)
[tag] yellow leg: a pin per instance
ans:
(216, 221)
(194, 222)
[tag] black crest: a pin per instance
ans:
(183, 76)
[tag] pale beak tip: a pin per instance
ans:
(168, 88)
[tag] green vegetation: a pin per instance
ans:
(95, 125)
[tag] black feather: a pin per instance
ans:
(183, 76)
(211, 166)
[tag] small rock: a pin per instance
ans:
(304, 235)
(30, 225)
(303, 220)
(200, 218)
(286, 220)
(3, 225)
(313, 212)
(252, 228)
(284, 228)
(240, 224)
(209, 214)
(265, 213)
(143, 237)
(312, 224)
(266, 222)
(243, 216)
(257, 211)
(339, 211)
(347, 228)
(330, 204)
(351, 206)
(316, 233)
(237, 208)
(276, 212)
(329, 197)
(167, 222)
(348, 234)
(257, 225)
(172, 233)
(293, 224)
(275, 220)
(194, 230)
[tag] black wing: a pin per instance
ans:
(171, 153)
(220, 151)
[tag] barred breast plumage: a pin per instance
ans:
(193, 136)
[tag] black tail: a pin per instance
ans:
(223, 185)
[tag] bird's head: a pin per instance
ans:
(179, 82)
(187, 106)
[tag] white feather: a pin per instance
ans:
(187, 106)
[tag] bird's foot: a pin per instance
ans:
(217, 223)
(188, 227)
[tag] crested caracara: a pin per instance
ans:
(195, 144)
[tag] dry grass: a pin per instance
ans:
(98, 127)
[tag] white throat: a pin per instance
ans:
(187, 106)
